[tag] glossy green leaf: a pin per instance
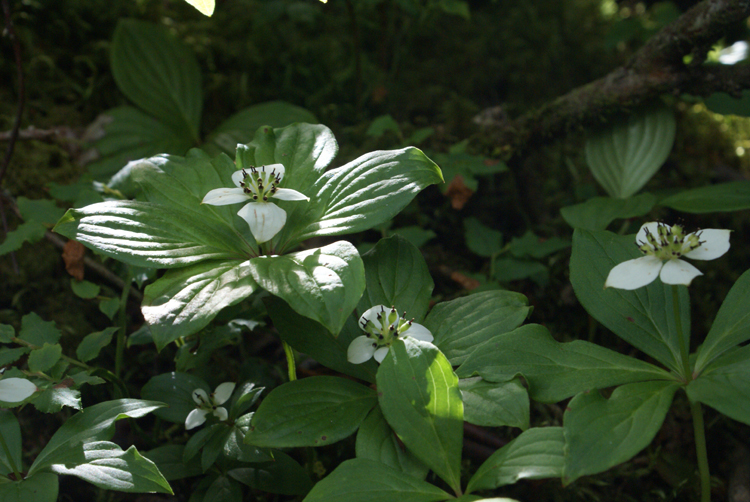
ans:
(365, 480)
(176, 391)
(377, 441)
(366, 192)
(323, 284)
(314, 411)
(53, 399)
(397, 275)
(106, 465)
(625, 156)
(601, 433)
(93, 343)
(184, 301)
(724, 197)
(725, 385)
(44, 358)
(159, 74)
(554, 370)
(492, 404)
(535, 454)
(96, 424)
(597, 213)
(314, 339)
(240, 127)
(731, 326)
(283, 475)
(419, 396)
(643, 317)
(42, 487)
(481, 239)
(461, 325)
(11, 433)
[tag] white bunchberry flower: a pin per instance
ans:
(15, 390)
(209, 404)
(663, 246)
(382, 326)
(257, 185)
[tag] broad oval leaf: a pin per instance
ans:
(323, 284)
(365, 480)
(601, 433)
(724, 197)
(491, 404)
(598, 212)
(626, 156)
(554, 370)
(314, 411)
(537, 453)
(159, 74)
(419, 396)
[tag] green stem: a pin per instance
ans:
(13, 466)
(699, 430)
(684, 341)
(290, 361)
(123, 323)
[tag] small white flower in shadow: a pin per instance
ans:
(209, 404)
(382, 326)
(663, 246)
(15, 390)
(257, 185)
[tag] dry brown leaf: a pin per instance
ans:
(458, 192)
(73, 253)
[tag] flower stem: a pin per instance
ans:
(123, 323)
(699, 431)
(290, 361)
(8, 455)
(683, 340)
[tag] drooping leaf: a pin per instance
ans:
(554, 370)
(601, 433)
(419, 396)
(724, 197)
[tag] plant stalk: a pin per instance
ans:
(699, 430)
(291, 364)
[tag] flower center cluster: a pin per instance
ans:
(391, 327)
(259, 183)
(206, 402)
(669, 243)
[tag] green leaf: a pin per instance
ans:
(377, 441)
(106, 465)
(314, 339)
(93, 343)
(365, 480)
(323, 284)
(725, 385)
(223, 489)
(283, 475)
(492, 404)
(159, 74)
(533, 246)
(643, 317)
(626, 156)
(455, 7)
(7, 332)
(597, 213)
(239, 128)
(554, 370)
(39, 210)
(366, 192)
(84, 289)
(38, 332)
(10, 430)
(535, 454)
(481, 239)
(314, 411)
(176, 390)
(723, 103)
(419, 396)
(397, 275)
(40, 488)
(44, 358)
(130, 134)
(109, 307)
(731, 326)
(96, 424)
(416, 235)
(30, 231)
(184, 301)
(53, 399)
(724, 197)
(601, 433)
(9, 356)
(460, 325)
(381, 124)
(168, 459)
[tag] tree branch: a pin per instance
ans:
(657, 68)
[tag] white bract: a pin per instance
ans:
(663, 246)
(209, 404)
(257, 185)
(382, 327)
(15, 390)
